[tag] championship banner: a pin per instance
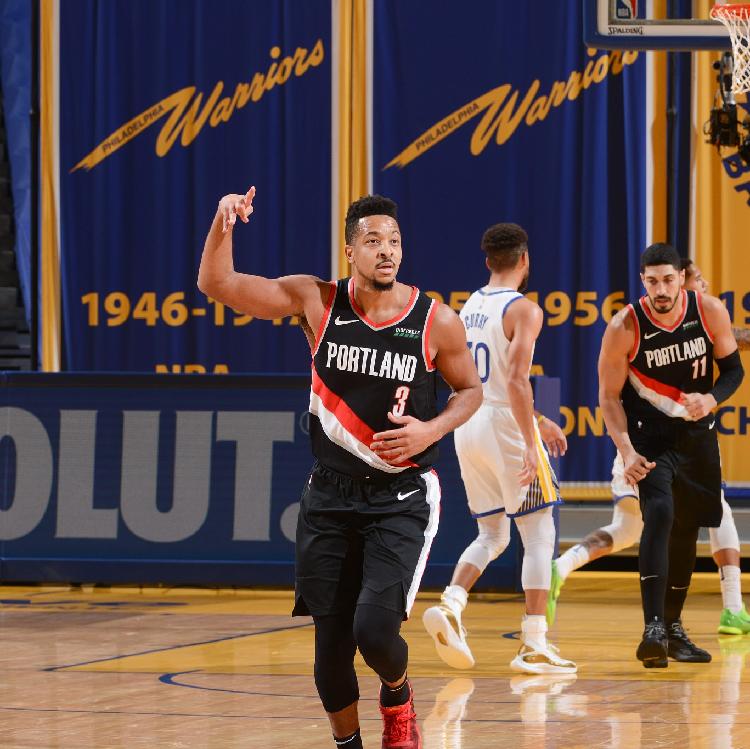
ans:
(163, 108)
(502, 115)
(721, 219)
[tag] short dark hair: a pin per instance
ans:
(504, 244)
(369, 205)
(660, 254)
(686, 265)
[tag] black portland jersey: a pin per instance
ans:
(666, 362)
(362, 370)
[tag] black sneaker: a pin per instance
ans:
(653, 648)
(681, 648)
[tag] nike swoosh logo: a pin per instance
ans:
(339, 321)
(402, 497)
(711, 425)
(646, 336)
(648, 577)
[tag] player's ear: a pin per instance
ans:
(349, 251)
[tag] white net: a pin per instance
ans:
(737, 20)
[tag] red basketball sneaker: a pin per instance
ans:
(400, 729)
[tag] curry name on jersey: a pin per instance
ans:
(667, 361)
(482, 316)
(361, 371)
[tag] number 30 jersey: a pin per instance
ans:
(668, 361)
(362, 370)
(482, 316)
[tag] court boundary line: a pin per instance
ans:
(177, 647)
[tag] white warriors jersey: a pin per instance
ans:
(482, 316)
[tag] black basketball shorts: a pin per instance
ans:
(688, 467)
(362, 541)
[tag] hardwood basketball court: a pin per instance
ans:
(170, 667)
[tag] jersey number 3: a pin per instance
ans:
(402, 393)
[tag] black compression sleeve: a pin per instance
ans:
(730, 376)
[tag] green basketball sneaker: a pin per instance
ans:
(554, 593)
(729, 624)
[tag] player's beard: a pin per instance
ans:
(657, 301)
(524, 284)
(379, 286)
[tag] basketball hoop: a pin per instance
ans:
(737, 20)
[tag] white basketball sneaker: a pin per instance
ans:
(536, 655)
(443, 623)
(541, 658)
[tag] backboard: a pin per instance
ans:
(643, 24)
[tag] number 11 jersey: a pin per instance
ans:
(666, 362)
(361, 370)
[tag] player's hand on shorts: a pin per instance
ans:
(698, 405)
(410, 438)
(636, 467)
(553, 437)
(233, 205)
(530, 460)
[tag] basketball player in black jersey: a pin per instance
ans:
(657, 394)
(370, 508)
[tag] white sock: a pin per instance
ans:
(534, 631)
(575, 557)
(731, 593)
(456, 597)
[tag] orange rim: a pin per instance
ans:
(724, 11)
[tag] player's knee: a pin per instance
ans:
(491, 541)
(626, 526)
(537, 532)
(376, 632)
(372, 643)
(658, 511)
(725, 536)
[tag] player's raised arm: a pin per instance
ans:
(619, 338)
(522, 324)
(266, 298)
(726, 356)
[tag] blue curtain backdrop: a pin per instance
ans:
(480, 114)
(15, 82)
(136, 206)
(569, 167)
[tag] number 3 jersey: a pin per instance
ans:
(667, 361)
(362, 370)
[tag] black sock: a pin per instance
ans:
(354, 741)
(681, 566)
(394, 696)
(674, 602)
